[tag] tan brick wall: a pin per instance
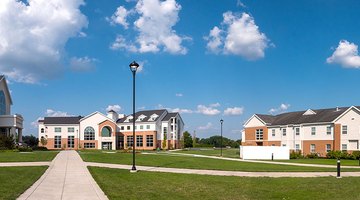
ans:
(320, 146)
(271, 143)
(250, 136)
(337, 137)
(110, 124)
(88, 141)
(144, 134)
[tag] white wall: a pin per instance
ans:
(254, 122)
(264, 152)
(352, 120)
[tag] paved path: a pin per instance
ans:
(66, 178)
(24, 164)
(224, 173)
(254, 161)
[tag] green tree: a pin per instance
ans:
(188, 141)
(164, 141)
(7, 142)
(43, 141)
(30, 140)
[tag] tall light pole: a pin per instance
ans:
(133, 67)
(221, 122)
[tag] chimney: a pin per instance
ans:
(113, 115)
(337, 108)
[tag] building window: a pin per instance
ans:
(71, 140)
(284, 131)
(344, 129)
(344, 147)
(297, 147)
(273, 132)
(312, 148)
(57, 129)
(313, 130)
(128, 127)
(129, 140)
(106, 131)
(42, 130)
(328, 147)
(89, 133)
(89, 145)
(141, 127)
(122, 128)
(165, 130)
(139, 140)
(148, 127)
(57, 141)
(328, 130)
(2, 103)
(284, 145)
(71, 129)
(149, 140)
(259, 134)
(297, 131)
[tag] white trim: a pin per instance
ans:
(254, 115)
(346, 111)
(96, 112)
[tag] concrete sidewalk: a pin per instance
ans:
(66, 178)
(225, 173)
(24, 164)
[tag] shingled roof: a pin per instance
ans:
(322, 115)
(62, 120)
(146, 113)
(168, 116)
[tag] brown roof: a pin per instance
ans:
(62, 120)
(322, 115)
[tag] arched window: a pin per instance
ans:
(89, 133)
(2, 103)
(106, 132)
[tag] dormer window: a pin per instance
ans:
(153, 117)
(140, 118)
(128, 118)
(309, 112)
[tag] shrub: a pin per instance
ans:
(334, 154)
(40, 149)
(356, 154)
(312, 155)
(7, 142)
(295, 155)
(25, 149)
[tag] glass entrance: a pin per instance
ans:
(120, 142)
(106, 145)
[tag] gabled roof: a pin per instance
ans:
(320, 116)
(169, 115)
(62, 120)
(2, 78)
(146, 113)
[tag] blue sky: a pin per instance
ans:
(207, 59)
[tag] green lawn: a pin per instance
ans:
(35, 156)
(189, 162)
(230, 153)
(323, 161)
(15, 180)
(121, 184)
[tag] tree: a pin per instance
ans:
(164, 141)
(43, 141)
(30, 140)
(7, 142)
(188, 141)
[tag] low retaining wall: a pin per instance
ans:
(264, 153)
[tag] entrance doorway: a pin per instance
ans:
(106, 145)
(120, 142)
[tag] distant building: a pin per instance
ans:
(9, 124)
(114, 131)
(311, 131)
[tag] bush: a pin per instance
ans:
(334, 154)
(296, 155)
(7, 142)
(25, 149)
(312, 155)
(356, 155)
(40, 149)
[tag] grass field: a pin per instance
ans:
(15, 180)
(229, 153)
(121, 184)
(323, 161)
(35, 156)
(189, 162)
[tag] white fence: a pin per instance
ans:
(264, 153)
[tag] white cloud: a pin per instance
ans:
(33, 36)
(214, 105)
(282, 108)
(181, 110)
(119, 17)
(240, 4)
(206, 127)
(239, 36)
(179, 94)
(115, 108)
(82, 64)
(234, 111)
(154, 27)
(346, 54)
(207, 110)
(54, 113)
(35, 123)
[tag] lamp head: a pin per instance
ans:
(133, 66)
(221, 120)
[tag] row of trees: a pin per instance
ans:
(8, 142)
(213, 141)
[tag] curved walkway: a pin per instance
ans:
(66, 178)
(224, 173)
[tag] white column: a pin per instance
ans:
(13, 132)
(20, 135)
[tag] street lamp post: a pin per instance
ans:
(133, 67)
(221, 122)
